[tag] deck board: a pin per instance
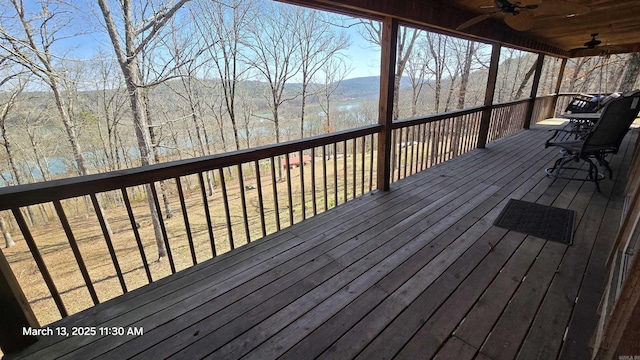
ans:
(410, 273)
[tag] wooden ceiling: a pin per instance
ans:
(617, 22)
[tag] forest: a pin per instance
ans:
(111, 85)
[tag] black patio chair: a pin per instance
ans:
(583, 103)
(602, 139)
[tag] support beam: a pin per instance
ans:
(554, 104)
(15, 312)
(488, 96)
(385, 111)
(534, 91)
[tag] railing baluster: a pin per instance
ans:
(398, 148)
(136, 234)
(354, 162)
(413, 149)
(441, 141)
(76, 251)
(260, 198)
(163, 229)
(302, 197)
(344, 166)
(335, 173)
(275, 193)
(187, 225)
(289, 195)
(207, 215)
(406, 152)
(243, 199)
(464, 131)
(432, 144)
(373, 147)
(324, 176)
(423, 144)
(107, 238)
(225, 200)
(37, 257)
(364, 148)
(313, 181)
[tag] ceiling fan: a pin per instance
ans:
(591, 44)
(520, 15)
(603, 50)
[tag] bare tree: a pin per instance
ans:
(631, 72)
(406, 40)
(137, 35)
(333, 71)
(109, 106)
(437, 45)
(190, 89)
(16, 83)
(417, 74)
(275, 54)
(32, 49)
(223, 25)
(468, 50)
(5, 109)
(319, 43)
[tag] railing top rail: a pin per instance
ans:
(36, 193)
(511, 103)
(582, 93)
(435, 117)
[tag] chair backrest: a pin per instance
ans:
(589, 104)
(611, 127)
(582, 104)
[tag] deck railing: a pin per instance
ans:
(420, 143)
(543, 108)
(221, 202)
(507, 118)
(103, 243)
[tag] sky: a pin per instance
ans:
(362, 57)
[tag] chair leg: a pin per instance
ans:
(559, 164)
(604, 163)
(594, 175)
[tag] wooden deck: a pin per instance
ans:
(413, 273)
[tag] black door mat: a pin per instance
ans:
(545, 222)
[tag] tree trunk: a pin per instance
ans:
(5, 232)
(304, 100)
(631, 72)
(525, 80)
(142, 134)
(464, 78)
(168, 213)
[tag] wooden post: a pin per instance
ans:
(534, 91)
(488, 96)
(556, 93)
(385, 111)
(15, 312)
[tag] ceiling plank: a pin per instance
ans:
(439, 15)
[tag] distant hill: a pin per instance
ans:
(363, 87)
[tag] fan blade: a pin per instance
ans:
(521, 22)
(526, 3)
(475, 20)
(561, 8)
